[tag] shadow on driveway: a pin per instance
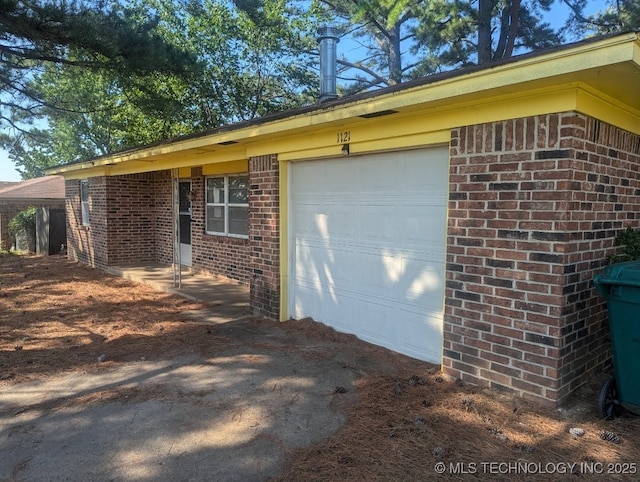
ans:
(229, 416)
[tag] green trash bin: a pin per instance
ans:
(620, 285)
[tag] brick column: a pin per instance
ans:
(535, 205)
(130, 219)
(264, 236)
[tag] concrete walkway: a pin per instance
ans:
(230, 299)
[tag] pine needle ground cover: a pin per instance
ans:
(404, 419)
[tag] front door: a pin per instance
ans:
(185, 222)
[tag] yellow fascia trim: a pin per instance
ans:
(284, 239)
(407, 142)
(402, 131)
(565, 61)
(377, 145)
(599, 106)
(226, 168)
(86, 173)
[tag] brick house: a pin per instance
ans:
(458, 219)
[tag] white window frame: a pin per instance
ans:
(225, 205)
(84, 203)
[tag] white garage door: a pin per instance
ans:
(367, 247)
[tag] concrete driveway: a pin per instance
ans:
(232, 416)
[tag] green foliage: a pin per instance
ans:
(60, 58)
(461, 32)
(618, 16)
(94, 35)
(24, 224)
(629, 240)
(257, 57)
(242, 65)
(439, 34)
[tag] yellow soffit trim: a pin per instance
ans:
(226, 168)
(600, 106)
(85, 173)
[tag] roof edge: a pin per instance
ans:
(512, 63)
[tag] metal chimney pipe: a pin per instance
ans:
(328, 39)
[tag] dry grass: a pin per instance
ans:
(57, 316)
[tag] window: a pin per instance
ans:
(84, 201)
(227, 200)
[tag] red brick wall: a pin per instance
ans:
(531, 220)
(218, 255)
(605, 187)
(87, 244)
(130, 212)
(264, 235)
(121, 221)
(134, 214)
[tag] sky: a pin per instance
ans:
(7, 168)
(556, 17)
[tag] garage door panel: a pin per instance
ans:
(321, 265)
(377, 223)
(412, 222)
(338, 222)
(377, 176)
(422, 282)
(418, 330)
(414, 163)
(311, 177)
(374, 327)
(378, 273)
(330, 307)
(326, 221)
(339, 177)
(368, 237)
(305, 214)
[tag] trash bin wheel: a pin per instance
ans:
(608, 403)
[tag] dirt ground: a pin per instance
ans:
(406, 422)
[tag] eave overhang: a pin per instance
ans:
(598, 77)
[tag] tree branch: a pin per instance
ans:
(367, 70)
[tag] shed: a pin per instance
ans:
(458, 218)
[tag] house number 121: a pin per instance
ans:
(343, 137)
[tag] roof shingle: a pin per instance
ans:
(40, 188)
